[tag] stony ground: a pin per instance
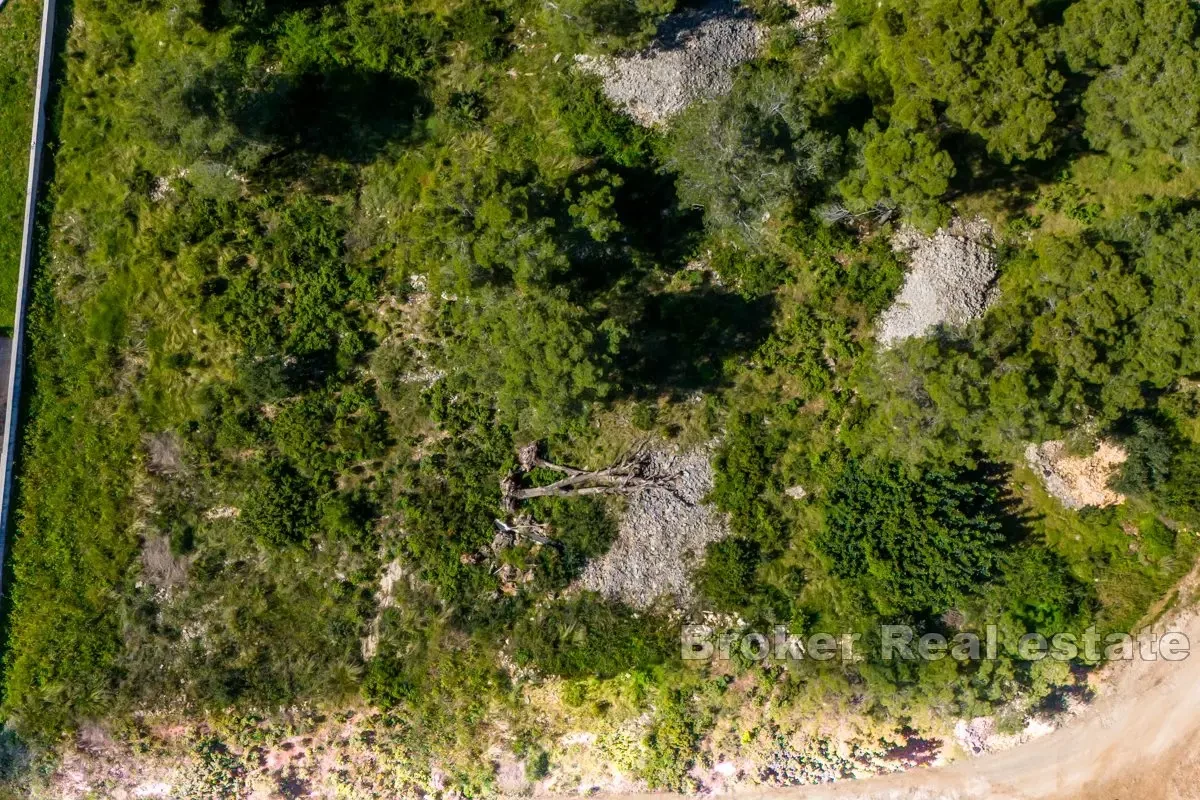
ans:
(949, 282)
(662, 536)
(692, 59)
(1077, 482)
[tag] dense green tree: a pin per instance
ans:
(1147, 466)
(1105, 325)
(1146, 93)
(989, 61)
(1083, 303)
(450, 502)
(1170, 328)
(361, 34)
(326, 434)
(753, 156)
(916, 543)
(986, 65)
(1181, 493)
(475, 221)
(900, 167)
(542, 358)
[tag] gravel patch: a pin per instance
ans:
(692, 58)
(661, 537)
(950, 281)
(1077, 482)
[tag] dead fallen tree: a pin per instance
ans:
(632, 474)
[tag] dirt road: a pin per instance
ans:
(1139, 740)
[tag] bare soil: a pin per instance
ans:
(1076, 481)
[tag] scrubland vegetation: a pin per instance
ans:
(313, 271)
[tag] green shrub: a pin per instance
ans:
(916, 543)
(1148, 464)
(587, 636)
(1181, 493)
(671, 745)
(744, 476)
(595, 127)
(281, 509)
(727, 577)
(752, 273)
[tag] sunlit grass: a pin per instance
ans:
(18, 63)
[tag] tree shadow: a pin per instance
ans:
(291, 784)
(980, 171)
(655, 232)
(680, 28)
(683, 341)
(1016, 521)
(216, 15)
(346, 114)
(648, 207)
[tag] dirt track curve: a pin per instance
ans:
(1139, 740)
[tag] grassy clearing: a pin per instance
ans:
(18, 63)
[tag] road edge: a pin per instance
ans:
(36, 147)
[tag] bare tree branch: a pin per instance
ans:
(524, 527)
(631, 474)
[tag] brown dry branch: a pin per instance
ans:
(631, 474)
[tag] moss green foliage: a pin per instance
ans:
(19, 27)
(1145, 63)
(901, 166)
(916, 544)
(450, 505)
(587, 636)
(314, 272)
